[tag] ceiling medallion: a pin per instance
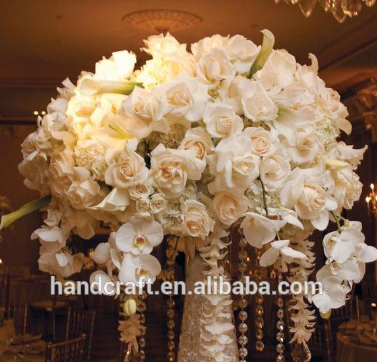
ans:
(340, 9)
(162, 21)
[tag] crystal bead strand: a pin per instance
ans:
(170, 254)
(142, 307)
(242, 328)
(280, 336)
(259, 311)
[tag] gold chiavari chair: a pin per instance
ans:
(4, 290)
(369, 296)
(19, 314)
(81, 321)
(68, 351)
(320, 343)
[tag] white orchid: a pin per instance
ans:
(62, 263)
(280, 248)
(139, 236)
(142, 268)
(260, 230)
(340, 246)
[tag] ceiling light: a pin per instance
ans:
(162, 21)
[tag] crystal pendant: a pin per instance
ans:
(280, 325)
(170, 255)
(337, 11)
(259, 310)
(242, 315)
(301, 352)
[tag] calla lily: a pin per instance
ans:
(91, 87)
(260, 230)
(267, 46)
(280, 247)
(142, 268)
(139, 236)
(26, 209)
(117, 200)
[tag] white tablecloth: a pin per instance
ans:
(348, 351)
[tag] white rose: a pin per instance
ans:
(142, 208)
(172, 168)
(256, 103)
(140, 191)
(221, 120)
(199, 140)
(117, 68)
(185, 97)
(263, 141)
(204, 46)
(127, 169)
(158, 203)
(242, 53)
(61, 173)
(229, 207)
(274, 171)
(214, 68)
(195, 219)
(34, 168)
(278, 71)
(83, 191)
(143, 112)
(304, 147)
(234, 166)
(164, 46)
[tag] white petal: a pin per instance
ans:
(125, 237)
(367, 254)
(269, 257)
(322, 221)
(153, 231)
(287, 251)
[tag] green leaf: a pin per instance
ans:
(26, 209)
(267, 46)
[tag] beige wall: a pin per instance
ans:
(17, 248)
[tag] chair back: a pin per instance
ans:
(81, 321)
(67, 351)
(19, 314)
(4, 290)
(345, 313)
(320, 343)
(369, 296)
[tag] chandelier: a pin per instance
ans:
(371, 200)
(162, 20)
(340, 9)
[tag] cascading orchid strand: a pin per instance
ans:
(226, 133)
(218, 334)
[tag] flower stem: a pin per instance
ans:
(26, 209)
(264, 196)
(337, 221)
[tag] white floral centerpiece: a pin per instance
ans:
(189, 145)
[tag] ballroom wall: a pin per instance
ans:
(17, 249)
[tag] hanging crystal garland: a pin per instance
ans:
(242, 315)
(280, 335)
(142, 307)
(340, 9)
(259, 311)
(170, 255)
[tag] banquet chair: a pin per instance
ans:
(369, 296)
(68, 351)
(19, 314)
(320, 343)
(4, 290)
(81, 321)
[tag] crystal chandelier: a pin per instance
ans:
(339, 8)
